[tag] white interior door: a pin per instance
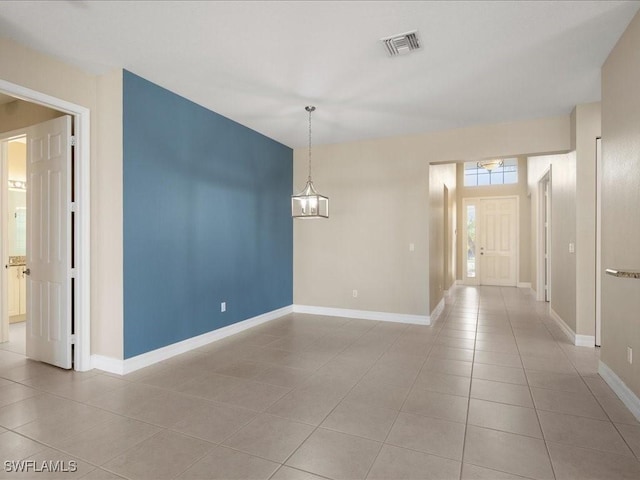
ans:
(498, 241)
(49, 332)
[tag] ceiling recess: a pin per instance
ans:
(402, 43)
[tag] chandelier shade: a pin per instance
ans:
(490, 164)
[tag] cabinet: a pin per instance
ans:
(17, 291)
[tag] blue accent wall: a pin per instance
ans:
(207, 219)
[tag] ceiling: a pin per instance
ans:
(260, 63)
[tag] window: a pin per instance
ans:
(477, 177)
(471, 241)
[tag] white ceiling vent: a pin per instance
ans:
(402, 44)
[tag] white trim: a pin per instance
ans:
(364, 314)
(598, 299)
(122, 367)
(585, 341)
(524, 285)
(107, 364)
(540, 260)
(624, 393)
(577, 340)
(82, 125)
(435, 315)
(563, 326)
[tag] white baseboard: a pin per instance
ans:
(107, 364)
(524, 285)
(435, 315)
(363, 314)
(585, 341)
(577, 340)
(625, 394)
(122, 367)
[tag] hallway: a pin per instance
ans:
(492, 390)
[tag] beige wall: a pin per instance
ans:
(442, 221)
(620, 202)
(39, 72)
(519, 190)
(573, 193)
(563, 229)
(107, 285)
(20, 114)
(378, 206)
(587, 130)
(379, 191)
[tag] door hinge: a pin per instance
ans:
(72, 141)
(73, 339)
(72, 273)
(73, 206)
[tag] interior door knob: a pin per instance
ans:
(27, 271)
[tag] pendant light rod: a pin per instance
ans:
(310, 108)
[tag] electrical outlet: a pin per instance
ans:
(630, 355)
(355, 294)
(412, 247)
(572, 247)
(223, 307)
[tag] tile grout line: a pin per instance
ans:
(594, 396)
(533, 401)
(466, 422)
(316, 427)
(384, 442)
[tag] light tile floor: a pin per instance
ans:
(17, 337)
(492, 390)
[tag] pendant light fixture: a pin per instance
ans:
(490, 164)
(309, 203)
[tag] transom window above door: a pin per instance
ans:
(507, 173)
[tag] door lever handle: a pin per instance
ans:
(27, 271)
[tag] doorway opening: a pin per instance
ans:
(76, 188)
(14, 181)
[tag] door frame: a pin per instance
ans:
(82, 209)
(477, 201)
(446, 247)
(546, 177)
(598, 339)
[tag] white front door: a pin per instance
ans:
(498, 241)
(49, 332)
